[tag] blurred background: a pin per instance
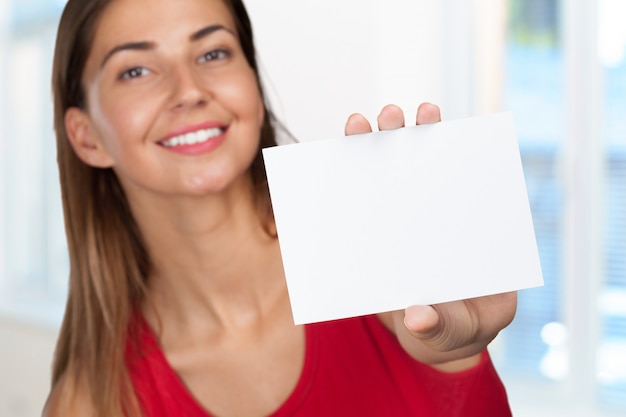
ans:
(559, 66)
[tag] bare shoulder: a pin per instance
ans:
(68, 400)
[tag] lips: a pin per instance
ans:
(195, 139)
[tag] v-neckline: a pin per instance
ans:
(179, 390)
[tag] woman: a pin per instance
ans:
(177, 301)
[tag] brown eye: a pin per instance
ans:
(134, 72)
(215, 55)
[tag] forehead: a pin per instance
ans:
(158, 21)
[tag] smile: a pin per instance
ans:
(193, 138)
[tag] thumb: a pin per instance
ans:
(442, 327)
(421, 321)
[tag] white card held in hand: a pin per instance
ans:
(420, 215)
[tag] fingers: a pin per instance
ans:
(357, 124)
(390, 117)
(427, 113)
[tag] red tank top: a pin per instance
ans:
(352, 368)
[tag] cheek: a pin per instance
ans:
(122, 122)
(241, 95)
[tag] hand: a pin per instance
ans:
(449, 336)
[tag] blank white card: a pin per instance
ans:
(420, 215)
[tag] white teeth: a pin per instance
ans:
(193, 137)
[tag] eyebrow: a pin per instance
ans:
(146, 46)
(134, 46)
(207, 31)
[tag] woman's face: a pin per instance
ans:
(172, 104)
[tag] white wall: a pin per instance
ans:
(326, 59)
(25, 360)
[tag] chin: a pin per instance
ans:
(205, 185)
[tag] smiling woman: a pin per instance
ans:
(177, 302)
(173, 103)
(206, 70)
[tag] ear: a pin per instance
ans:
(85, 140)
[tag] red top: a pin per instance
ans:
(353, 367)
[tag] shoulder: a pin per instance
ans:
(68, 399)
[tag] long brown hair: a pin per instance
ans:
(109, 264)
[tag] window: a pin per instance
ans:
(565, 81)
(33, 272)
(534, 92)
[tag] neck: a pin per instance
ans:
(215, 265)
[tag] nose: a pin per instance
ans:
(188, 89)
